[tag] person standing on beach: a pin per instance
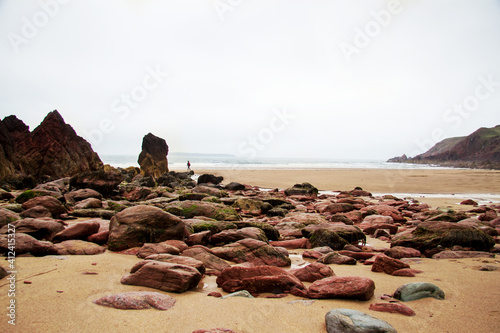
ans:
(189, 165)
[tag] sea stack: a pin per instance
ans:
(153, 157)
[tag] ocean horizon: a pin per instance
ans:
(178, 161)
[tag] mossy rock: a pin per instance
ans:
(429, 235)
(325, 237)
(213, 226)
(215, 211)
(28, 195)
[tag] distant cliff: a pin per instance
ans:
(51, 150)
(480, 150)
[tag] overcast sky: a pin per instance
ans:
(337, 79)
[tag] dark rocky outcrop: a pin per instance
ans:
(153, 157)
(52, 150)
(104, 182)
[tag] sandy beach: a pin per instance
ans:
(59, 297)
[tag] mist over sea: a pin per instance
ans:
(178, 161)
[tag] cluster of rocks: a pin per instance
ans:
(183, 230)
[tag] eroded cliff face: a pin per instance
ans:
(480, 149)
(51, 150)
(153, 157)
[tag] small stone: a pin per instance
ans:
(393, 308)
(137, 300)
(90, 273)
(215, 294)
(27, 282)
(241, 293)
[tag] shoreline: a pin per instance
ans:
(411, 181)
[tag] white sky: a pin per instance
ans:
(233, 64)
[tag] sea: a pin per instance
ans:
(178, 161)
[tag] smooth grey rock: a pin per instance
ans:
(417, 290)
(352, 321)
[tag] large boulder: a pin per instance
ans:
(430, 235)
(260, 279)
(302, 189)
(345, 287)
(252, 251)
(210, 179)
(28, 244)
(104, 182)
(41, 228)
(153, 157)
(142, 224)
(353, 321)
(54, 206)
(52, 149)
(81, 194)
(164, 276)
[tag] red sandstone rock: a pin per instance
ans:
(387, 264)
(346, 287)
(80, 230)
(393, 308)
(54, 206)
(253, 251)
(260, 279)
(299, 243)
(398, 252)
(313, 272)
(208, 259)
(100, 238)
(137, 300)
(357, 255)
(155, 248)
(164, 276)
(409, 272)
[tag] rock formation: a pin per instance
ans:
(153, 157)
(481, 149)
(51, 150)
